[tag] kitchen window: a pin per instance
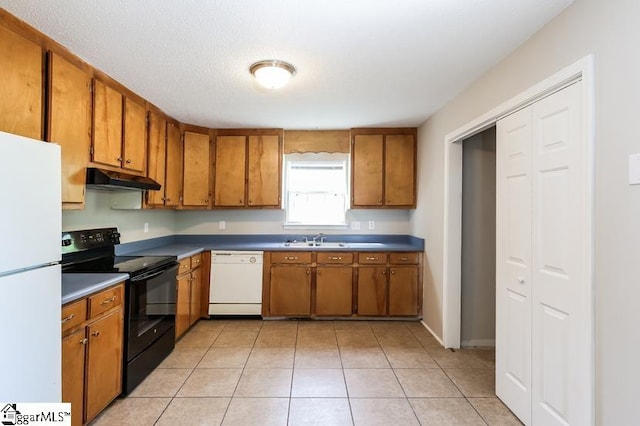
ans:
(316, 189)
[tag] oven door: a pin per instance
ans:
(151, 309)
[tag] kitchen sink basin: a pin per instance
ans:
(318, 244)
(365, 245)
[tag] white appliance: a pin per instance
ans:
(236, 283)
(30, 280)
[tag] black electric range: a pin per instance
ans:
(150, 296)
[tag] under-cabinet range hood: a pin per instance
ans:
(110, 180)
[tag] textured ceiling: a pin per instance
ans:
(360, 62)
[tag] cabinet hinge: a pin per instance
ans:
(91, 150)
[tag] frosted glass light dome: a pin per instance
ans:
(272, 74)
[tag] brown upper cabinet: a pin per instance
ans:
(107, 125)
(383, 167)
(135, 136)
(119, 130)
(248, 169)
(156, 162)
(69, 124)
(196, 170)
(22, 87)
(173, 180)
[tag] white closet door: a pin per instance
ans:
(513, 262)
(561, 379)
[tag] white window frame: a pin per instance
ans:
(317, 159)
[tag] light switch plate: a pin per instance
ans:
(222, 224)
(372, 224)
(634, 169)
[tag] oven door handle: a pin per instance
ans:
(150, 275)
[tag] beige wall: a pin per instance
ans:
(98, 213)
(610, 30)
(478, 281)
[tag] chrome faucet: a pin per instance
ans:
(318, 239)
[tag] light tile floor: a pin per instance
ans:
(252, 372)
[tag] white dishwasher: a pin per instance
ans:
(236, 283)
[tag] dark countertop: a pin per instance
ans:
(78, 285)
(183, 246)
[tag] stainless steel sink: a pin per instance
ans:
(318, 244)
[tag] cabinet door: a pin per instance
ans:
(290, 290)
(173, 182)
(263, 172)
(334, 291)
(372, 290)
(70, 124)
(183, 303)
(157, 157)
(73, 352)
(195, 296)
(21, 91)
(400, 173)
(403, 290)
(196, 169)
(107, 125)
(135, 136)
(104, 363)
(367, 172)
(230, 171)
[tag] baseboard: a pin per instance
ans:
(435, 336)
(479, 342)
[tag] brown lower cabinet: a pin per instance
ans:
(92, 344)
(188, 293)
(342, 284)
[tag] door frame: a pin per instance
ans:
(452, 242)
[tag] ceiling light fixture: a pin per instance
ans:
(272, 74)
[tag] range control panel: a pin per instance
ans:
(75, 241)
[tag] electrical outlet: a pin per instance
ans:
(372, 224)
(355, 226)
(222, 224)
(146, 227)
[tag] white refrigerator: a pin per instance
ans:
(30, 280)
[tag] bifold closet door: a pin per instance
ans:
(542, 323)
(513, 262)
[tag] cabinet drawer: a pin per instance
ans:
(73, 314)
(185, 265)
(403, 258)
(105, 300)
(196, 259)
(335, 258)
(290, 257)
(372, 258)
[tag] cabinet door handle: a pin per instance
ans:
(384, 272)
(241, 201)
(96, 333)
(109, 300)
(308, 272)
(128, 161)
(291, 257)
(84, 341)
(335, 258)
(393, 272)
(317, 272)
(67, 319)
(250, 202)
(119, 159)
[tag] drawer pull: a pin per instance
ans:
(335, 258)
(404, 258)
(95, 333)
(67, 319)
(109, 300)
(84, 341)
(291, 257)
(393, 272)
(197, 260)
(371, 258)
